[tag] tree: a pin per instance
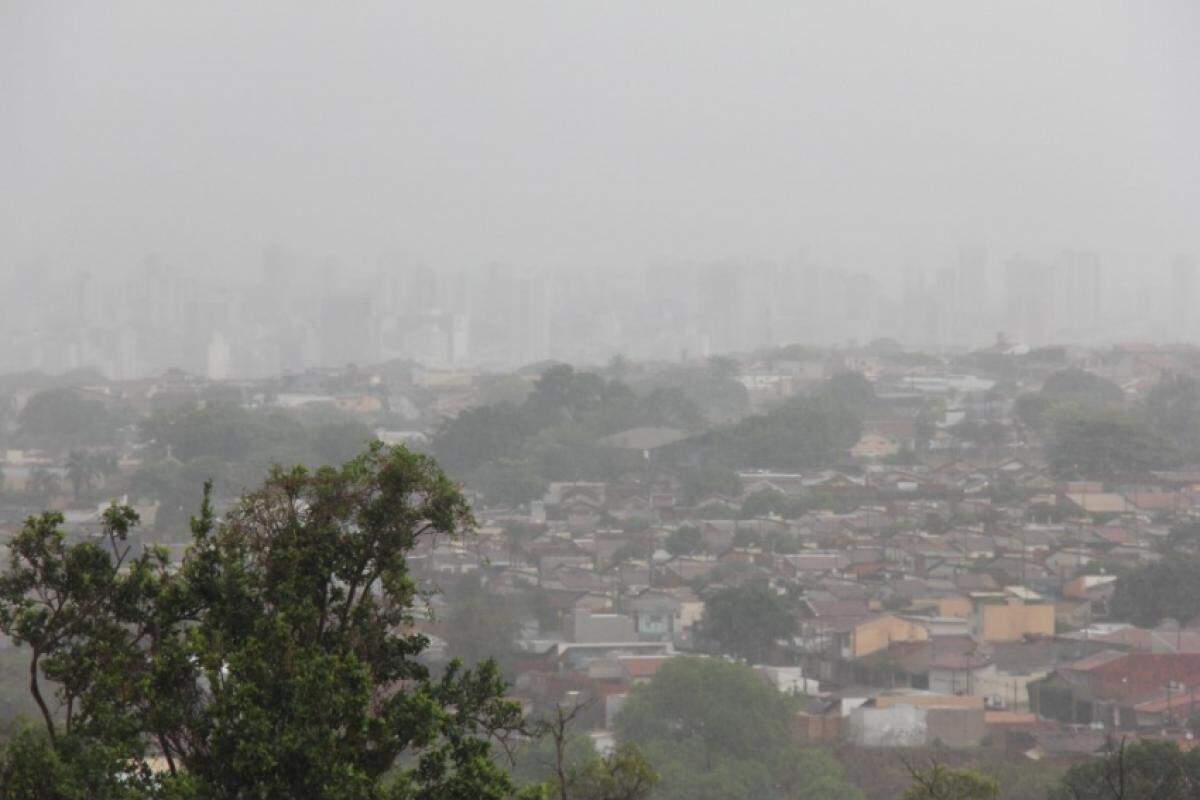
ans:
(943, 783)
(772, 501)
(1143, 770)
(740, 716)
(684, 541)
(707, 479)
(510, 482)
(274, 662)
(83, 468)
(804, 433)
(1081, 386)
(813, 774)
(1064, 392)
(848, 389)
(1151, 593)
(42, 482)
(479, 435)
(574, 771)
(746, 622)
(1096, 443)
(715, 730)
(481, 624)
(65, 418)
(337, 441)
(1173, 410)
(623, 774)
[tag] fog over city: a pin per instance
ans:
(617, 159)
(781, 400)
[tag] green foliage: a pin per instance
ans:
(706, 709)
(624, 774)
(512, 451)
(1097, 443)
(1173, 410)
(226, 432)
(272, 663)
(67, 418)
(850, 390)
(481, 625)
(84, 468)
(510, 482)
(773, 501)
(685, 540)
(708, 479)
(712, 388)
(533, 761)
(943, 783)
(813, 775)
(746, 622)
(1081, 386)
(479, 435)
(1064, 392)
(1143, 770)
(715, 729)
(801, 434)
(1151, 593)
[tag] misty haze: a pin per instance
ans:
(562, 401)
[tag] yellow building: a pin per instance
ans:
(879, 632)
(1001, 617)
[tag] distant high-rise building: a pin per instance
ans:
(219, 358)
(1028, 301)
(345, 329)
(1183, 297)
(460, 327)
(1077, 286)
(532, 319)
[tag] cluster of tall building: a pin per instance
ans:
(290, 313)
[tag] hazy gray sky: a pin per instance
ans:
(591, 133)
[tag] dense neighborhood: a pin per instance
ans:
(948, 571)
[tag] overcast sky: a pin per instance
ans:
(572, 133)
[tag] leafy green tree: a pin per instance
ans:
(42, 482)
(1068, 391)
(772, 501)
(1081, 386)
(848, 389)
(510, 482)
(65, 418)
(84, 468)
(741, 716)
(1142, 770)
(746, 622)
(710, 478)
(685, 540)
(1184, 535)
(715, 729)
(713, 388)
(1173, 410)
(479, 435)
(813, 774)
(801, 434)
(940, 782)
(1151, 593)
(534, 762)
(338, 441)
(624, 774)
(1097, 443)
(272, 663)
(227, 432)
(481, 625)
(671, 407)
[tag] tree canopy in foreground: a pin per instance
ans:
(274, 662)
